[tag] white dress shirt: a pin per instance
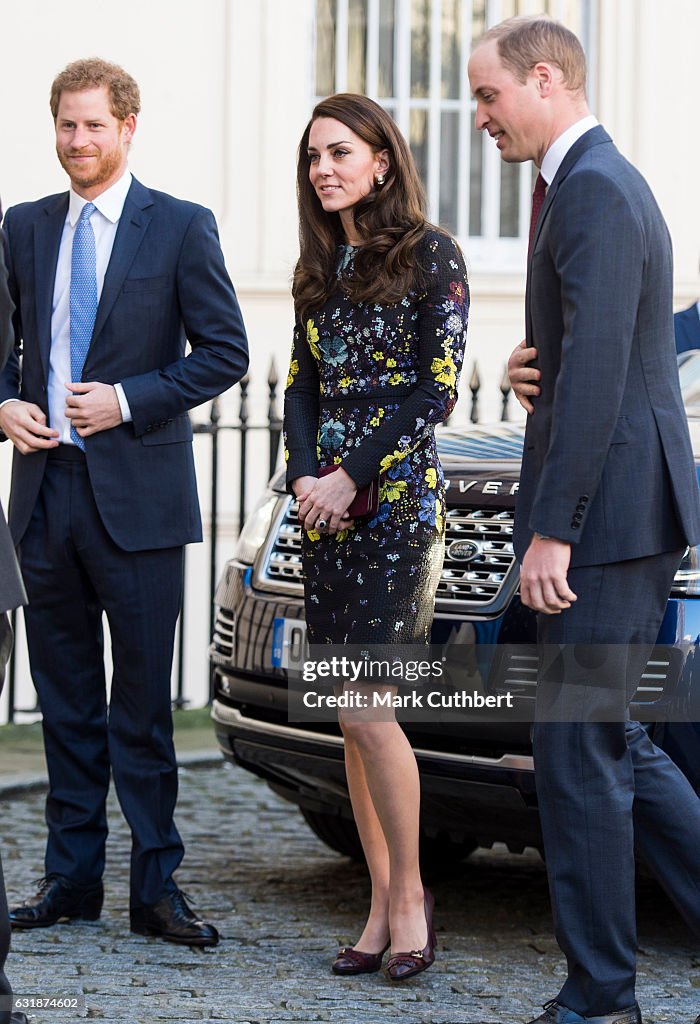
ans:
(560, 147)
(104, 220)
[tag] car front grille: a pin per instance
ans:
(479, 572)
(284, 562)
(222, 640)
(516, 672)
(479, 558)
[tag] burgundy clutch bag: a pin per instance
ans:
(365, 502)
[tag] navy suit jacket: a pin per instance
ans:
(686, 325)
(11, 587)
(166, 282)
(608, 465)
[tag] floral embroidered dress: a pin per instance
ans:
(367, 384)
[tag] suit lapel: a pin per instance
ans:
(48, 230)
(131, 229)
(593, 137)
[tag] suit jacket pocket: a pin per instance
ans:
(174, 431)
(145, 284)
(623, 432)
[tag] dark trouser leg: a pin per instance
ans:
(666, 823)
(74, 571)
(64, 636)
(5, 989)
(140, 592)
(5, 930)
(588, 773)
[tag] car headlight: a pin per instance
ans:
(686, 582)
(255, 529)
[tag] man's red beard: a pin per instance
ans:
(100, 170)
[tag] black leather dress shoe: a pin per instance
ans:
(58, 899)
(19, 1018)
(555, 1013)
(171, 919)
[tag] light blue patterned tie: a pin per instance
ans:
(83, 299)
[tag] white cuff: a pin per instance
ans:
(123, 404)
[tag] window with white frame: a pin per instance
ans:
(411, 56)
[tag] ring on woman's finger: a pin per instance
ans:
(321, 523)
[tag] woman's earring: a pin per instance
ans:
(380, 179)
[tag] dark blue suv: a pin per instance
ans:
(476, 774)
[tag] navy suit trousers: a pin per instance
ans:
(603, 786)
(73, 573)
(5, 989)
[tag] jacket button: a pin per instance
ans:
(581, 507)
(575, 526)
(583, 498)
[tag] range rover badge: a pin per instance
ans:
(463, 550)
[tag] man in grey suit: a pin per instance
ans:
(11, 596)
(608, 501)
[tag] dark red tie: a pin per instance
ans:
(537, 201)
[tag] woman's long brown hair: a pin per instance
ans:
(391, 220)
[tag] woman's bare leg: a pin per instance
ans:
(385, 791)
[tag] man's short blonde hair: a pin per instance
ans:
(93, 73)
(527, 40)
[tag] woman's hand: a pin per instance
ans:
(323, 506)
(303, 485)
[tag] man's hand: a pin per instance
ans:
(92, 407)
(522, 376)
(543, 585)
(25, 425)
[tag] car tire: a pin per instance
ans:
(336, 831)
(340, 834)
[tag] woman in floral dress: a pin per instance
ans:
(381, 301)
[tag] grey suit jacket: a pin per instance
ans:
(608, 465)
(11, 588)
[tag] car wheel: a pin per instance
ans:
(341, 835)
(335, 831)
(441, 852)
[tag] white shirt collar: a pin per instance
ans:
(560, 147)
(110, 203)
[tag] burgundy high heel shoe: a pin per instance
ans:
(401, 966)
(353, 961)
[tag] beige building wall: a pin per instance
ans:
(227, 88)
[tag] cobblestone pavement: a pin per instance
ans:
(284, 903)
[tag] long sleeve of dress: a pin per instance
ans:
(441, 334)
(301, 409)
